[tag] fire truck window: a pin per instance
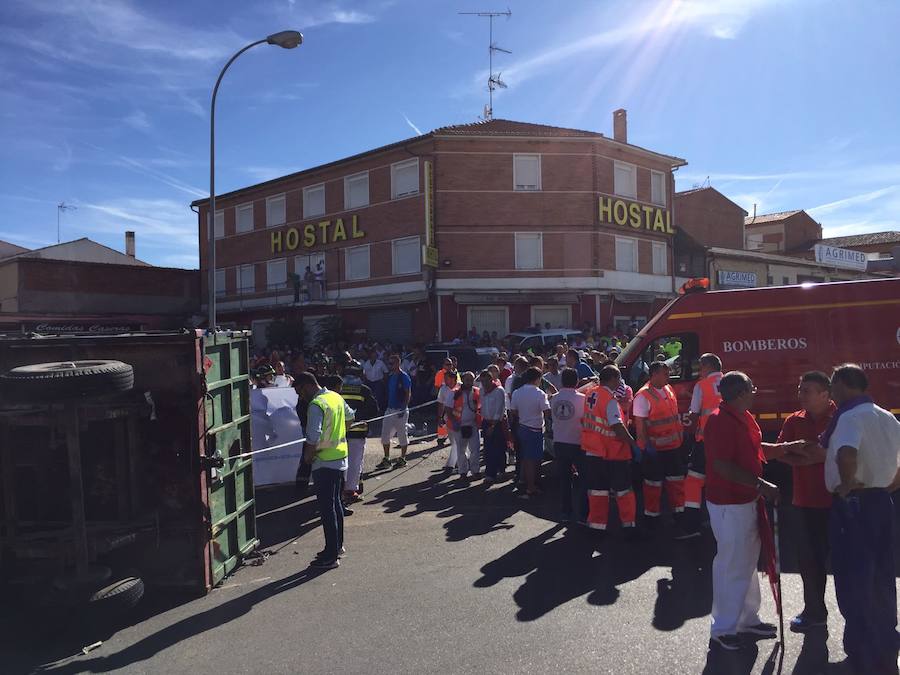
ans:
(679, 351)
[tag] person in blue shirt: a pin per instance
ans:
(399, 390)
(585, 372)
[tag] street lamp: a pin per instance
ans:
(287, 39)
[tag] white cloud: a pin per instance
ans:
(138, 120)
(164, 226)
(260, 174)
(63, 158)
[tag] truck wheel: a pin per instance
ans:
(66, 380)
(118, 596)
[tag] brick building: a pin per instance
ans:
(780, 232)
(85, 287)
(495, 225)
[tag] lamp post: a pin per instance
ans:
(286, 39)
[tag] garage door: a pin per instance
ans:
(394, 325)
(489, 319)
(558, 316)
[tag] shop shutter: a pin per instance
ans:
(558, 316)
(489, 319)
(394, 325)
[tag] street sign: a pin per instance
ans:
(841, 257)
(741, 279)
(429, 256)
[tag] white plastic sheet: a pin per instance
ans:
(273, 420)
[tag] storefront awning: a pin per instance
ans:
(516, 298)
(380, 300)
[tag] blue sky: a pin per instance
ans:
(104, 104)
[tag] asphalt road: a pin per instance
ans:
(439, 577)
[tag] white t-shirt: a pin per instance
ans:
(409, 367)
(875, 433)
(467, 414)
(374, 371)
(641, 405)
(530, 402)
(445, 396)
(493, 404)
(567, 409)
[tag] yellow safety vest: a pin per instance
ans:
(332, 443)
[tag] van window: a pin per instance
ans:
(534, 342)
(680, 351)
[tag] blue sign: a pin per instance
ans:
(741, 279)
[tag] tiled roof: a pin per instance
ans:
(501, 127)
(868, 239)
(763, 218)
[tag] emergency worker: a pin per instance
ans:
(704, 401)
(365, 407)
(438, 383)
(659, 436)
(609, 449)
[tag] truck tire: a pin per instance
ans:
(118, 596)
(66, 380)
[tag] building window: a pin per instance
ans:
(275, 211)
(356, 190)
(626, 254)
(357, 262)
(490, 319)
(529, 251)
(220, 282)
(658, 187)
(314, 201)
(659, 257)
(276, 274)
(219, 224)
(405, 178)
(246, 279)
(406, 254)
(625, 180)
(785, 281)
(526, 172)
(244, 218)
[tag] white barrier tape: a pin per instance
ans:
(303, 440)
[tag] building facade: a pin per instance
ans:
(493, 226)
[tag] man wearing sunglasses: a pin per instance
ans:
(735, 455)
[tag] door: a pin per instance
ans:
(391, 325)
(228, 478)
(557, 316)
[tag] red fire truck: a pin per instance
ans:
(775, 335)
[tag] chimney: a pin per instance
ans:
(620, 125)
(129, 244)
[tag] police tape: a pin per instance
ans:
(354, 422)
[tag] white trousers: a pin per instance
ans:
(471, 460)
(356, 449)
(451, 460)
(736, 596)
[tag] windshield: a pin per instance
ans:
(634, 345)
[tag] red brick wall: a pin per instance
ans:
(710, 218)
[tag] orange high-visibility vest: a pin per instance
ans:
(664, 428)
(456, 415)
(710, 398)
(597, 436)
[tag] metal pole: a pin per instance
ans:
(211, 214)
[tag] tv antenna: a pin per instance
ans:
(494, 81)
(62, 206)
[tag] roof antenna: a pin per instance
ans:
(62, 206)
(494, 81)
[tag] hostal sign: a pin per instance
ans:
(316, 234)
(637, 216)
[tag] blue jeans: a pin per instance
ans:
(571, 493)
(494, 449)
(862, 560)
(328, 496)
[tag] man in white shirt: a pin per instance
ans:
(530, 405)
(566, 410)
(862, 469)
(374, 372)
(493, 417)
(445, 405)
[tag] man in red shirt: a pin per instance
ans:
(811, 498)
(735, 455)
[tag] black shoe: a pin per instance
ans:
(341, 554)
(631, 534)
(347, 512)
(325, 564)
(762, 630)
(384, 464)
(803, 624)
(681, 534)
(730, 643)
(400, 463)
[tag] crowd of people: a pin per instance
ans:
(575, 406)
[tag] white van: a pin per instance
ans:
(542, 340)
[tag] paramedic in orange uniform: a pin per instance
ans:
(438, 381)
(704, 401)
